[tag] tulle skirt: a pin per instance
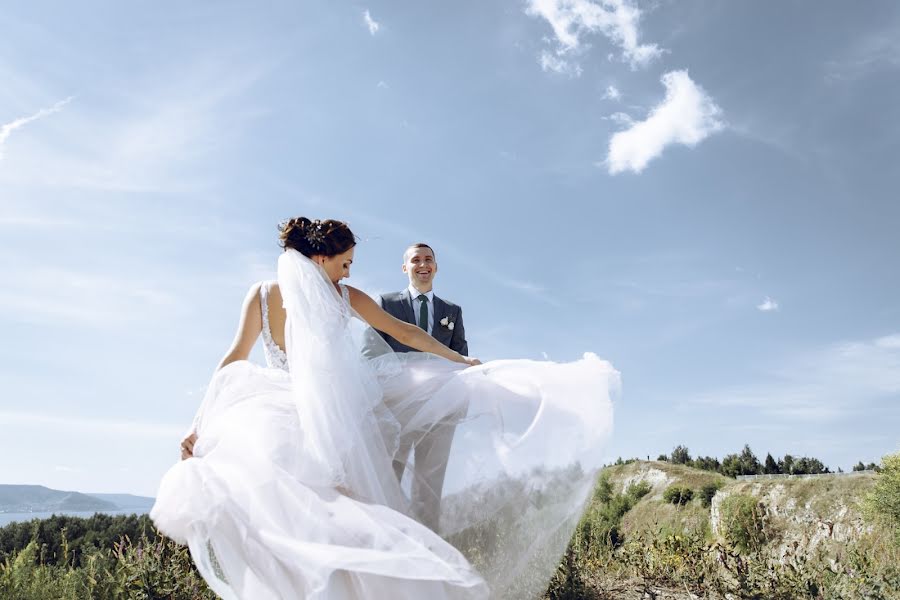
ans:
(482, 475)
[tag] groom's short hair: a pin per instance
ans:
(414, 247)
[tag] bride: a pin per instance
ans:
(289, 488)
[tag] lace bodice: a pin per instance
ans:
(275, 356)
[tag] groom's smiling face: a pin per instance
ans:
(420, 266)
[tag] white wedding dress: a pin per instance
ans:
(293, 489)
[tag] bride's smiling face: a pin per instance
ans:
(337, 267)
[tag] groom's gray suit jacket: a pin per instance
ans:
(399, 305)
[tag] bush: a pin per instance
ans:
(680, 455)
(129, 571)
(638, 490)
(707, 492)
(883, 502)
(744, 522)
(678, 495)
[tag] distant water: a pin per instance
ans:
(7, 518)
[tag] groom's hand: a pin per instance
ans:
(187, 446)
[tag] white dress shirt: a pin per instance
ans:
(416, 303)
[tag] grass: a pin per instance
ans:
(629, 545)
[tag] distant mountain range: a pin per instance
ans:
(37, 498)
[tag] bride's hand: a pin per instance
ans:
(472, 362)
(187, 445)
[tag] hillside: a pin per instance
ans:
(803, 510)
(127, 501)
(37, 498)
(784, 537)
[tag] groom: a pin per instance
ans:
(418, 304)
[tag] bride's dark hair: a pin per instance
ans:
(312, 238)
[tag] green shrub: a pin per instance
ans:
(707, 492)
(744, 522)
(883, 502)
(678, 495)
(638, 490)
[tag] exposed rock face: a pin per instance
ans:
(657, 478)
(804, 514)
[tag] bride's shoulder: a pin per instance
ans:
(355, 294)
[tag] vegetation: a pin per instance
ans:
(145, 568)
(708, 492)
(641, 536)
(678, 495)
(745, 462)
(660, 552)
(883, 502)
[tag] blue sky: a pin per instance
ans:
(705, 195)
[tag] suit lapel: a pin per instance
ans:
(440, 311)
(406, 301)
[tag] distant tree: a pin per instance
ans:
(771, 467)
(786, 465)
(680, 455)
(708, 463)
(662, 457)
(749, 462)
(873, 467)
(859, 466)
(809, 466)
(731, 465)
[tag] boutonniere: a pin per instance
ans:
(446, 322)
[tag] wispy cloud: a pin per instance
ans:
(875, 52)
(550, 61)
(7, 129)
(686, 116)
(370, 22)
(160, 134)
(612, 93)
(571, 19)
(822, 384)
(767, 305)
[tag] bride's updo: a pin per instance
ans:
(311, 238)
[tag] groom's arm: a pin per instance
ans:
(458, 341)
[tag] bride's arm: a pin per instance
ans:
(406, 334)
(249, 328)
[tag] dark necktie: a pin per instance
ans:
(423, 311)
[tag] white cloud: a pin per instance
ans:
(767, 305)
(7, 129)
(612, 93)
(383, 85)
(686, 116)
(159, 133)
(822, 384)
(615, 19)
(553, 62)
(370, 22)
(623, 119)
